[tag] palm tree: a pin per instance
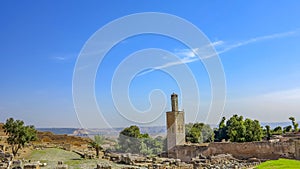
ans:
(96, 143)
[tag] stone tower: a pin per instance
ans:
(175, 125)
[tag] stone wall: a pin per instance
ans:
(187, 152)
(297, 149)
(261, 150)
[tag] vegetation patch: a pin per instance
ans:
(280, 163)
(52, 155)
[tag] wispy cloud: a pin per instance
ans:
(258, 39)
(63, 57)
(186, 55)
(182, 61)
(291, 94)
(189, 55)
(60, 58)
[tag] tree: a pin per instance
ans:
(287, 129)
(96, 143)
(295, 124)
(207, 133)
(198, 133)
(239, 130)
(253, 130)
(194, 135)
(277, 131)
(129, 141)
(18, 134)
(221, 132)
(158, 145)
(236, 129)
(268, 132)
(151, 146)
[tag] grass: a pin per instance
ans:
(52, 155)
(280, 163)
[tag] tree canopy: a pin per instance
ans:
(18, 134)
(198, 133)
(131, 140)
(239, 130)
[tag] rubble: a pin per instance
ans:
(221, 161)
(103, 166)
(60, 165)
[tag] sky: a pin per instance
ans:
(256, 43)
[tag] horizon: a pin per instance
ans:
(255, 45)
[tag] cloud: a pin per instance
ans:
(63, 57)
(257, 39)
(217, 43)
(186, 52)
(284, 95)
(60, 58)
(189, 55)
(182, 61)
(272, 106)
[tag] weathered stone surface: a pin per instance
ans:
(126, 159)
(60, 165)
(261, 150)
(31, 166)
(103, 166)
(175, 125)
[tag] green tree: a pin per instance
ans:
(239, 130)
(287, 129)
(129, 141)
(97, 143)
(268, 132)
(221, 132)
(194, 135)
(207, 133)
(151, 146)
(198, 133)
(295, 124)
(236, 129)
(158, 145)
(277, 130)
(253, 130)
(18, 134)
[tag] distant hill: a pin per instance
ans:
(114, 132)
(59, 130)
(276, 124)
(108, 132)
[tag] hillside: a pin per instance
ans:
(49, 137)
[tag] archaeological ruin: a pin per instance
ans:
(286, 147)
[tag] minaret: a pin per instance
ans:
(174, 102)
(175, 126)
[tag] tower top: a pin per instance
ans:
(174, 94)
(174, 102)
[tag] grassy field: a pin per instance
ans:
(281, 163)
(52, 155)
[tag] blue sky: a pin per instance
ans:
(258, 45)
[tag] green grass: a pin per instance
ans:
(52, 155)
(280, 163)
